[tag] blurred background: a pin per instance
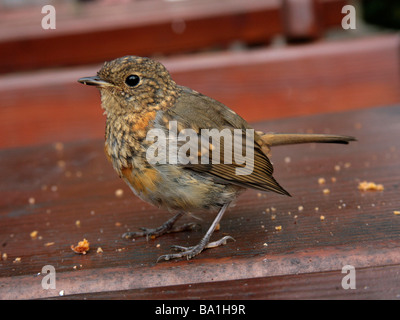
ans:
(265, 59)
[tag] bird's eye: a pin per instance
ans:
(132, 80)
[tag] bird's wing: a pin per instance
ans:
(195, 111)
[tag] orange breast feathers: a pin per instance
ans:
(143, 181)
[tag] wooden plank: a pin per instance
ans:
(266, 83)
(75, 182)
(92, 33)
(375, 283)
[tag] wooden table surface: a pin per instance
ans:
(49, 188)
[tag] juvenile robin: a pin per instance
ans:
(138, 96)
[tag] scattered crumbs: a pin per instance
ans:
(78, 223)
(316, 209)
(321, 181)
(31, 200)
(120, 249)
(273, 209)
(278, 228)
(48, 244)
(118, 224)
(337, 167)
(59, 146)
(34, 234)
(119, 193)
(326, 191)
(333, 179)
(273, 216)
(217, 227)
(347, 165)
(322, 218)
(4, 256)
(287, 159)
(17, 260)
(153, 236)
(54, 188)
(158, 245)
(267, 210)
(370, 186)
(259, 194)
(300, 208)
(92, 213)
(295, 216)
(74, 267)
(396, 212)
(265, 244)
(82, 247)
(262, 226)
(61, 293)
(358, 207)
(61, 164)
(99, 250)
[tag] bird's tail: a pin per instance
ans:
(277, 139)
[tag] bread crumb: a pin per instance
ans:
(333, 179)
(396, 212)
(119, 193)
(158, 245)
(4, 256)
(82, 247)
(316, 209)
(278, 228)
(273, 216)
(337, 167)
(326, 191)
(34, 234)
(321, 181)
(118, 224)
(265, 244)
(217, 227)
(370, 186)
(300, 208)
(322, 218)
(61, 293)
(48, 244)
(99, 250)
(17, 260)
(31, 200)
(61, 164)
(287, 159)
(78, 223)
(59, 146)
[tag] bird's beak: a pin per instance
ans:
(94, 81)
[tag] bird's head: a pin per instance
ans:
(133, 84)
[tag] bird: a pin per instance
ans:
(142, 103)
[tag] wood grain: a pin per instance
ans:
(45, 107)
(73, 182)
(93, 32)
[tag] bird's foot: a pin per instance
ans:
(156, 232)
(190, 252)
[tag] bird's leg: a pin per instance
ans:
(190, 252)
(166, 227)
